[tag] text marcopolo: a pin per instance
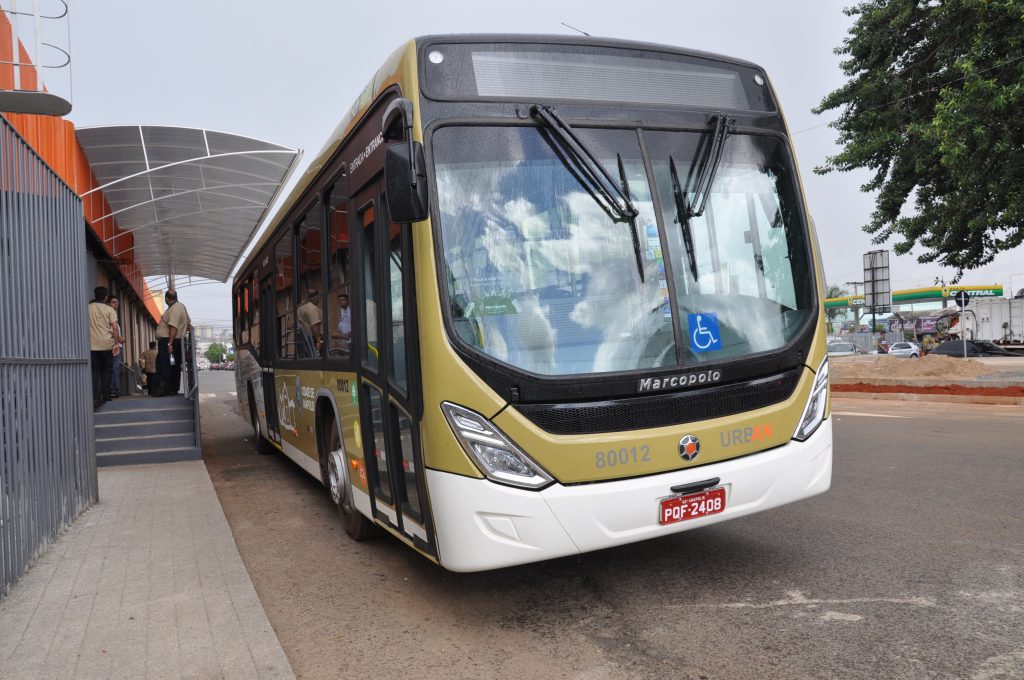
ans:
(681, 380)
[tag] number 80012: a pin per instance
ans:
(623, 456)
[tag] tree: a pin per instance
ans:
(216, 353)
(834, 292)
(934, 107)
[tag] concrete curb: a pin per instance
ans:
(939, 398)
(930, 382)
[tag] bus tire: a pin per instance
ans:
(335, 472)
(263, 447)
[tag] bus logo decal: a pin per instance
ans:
(681, 380)
(689, 447)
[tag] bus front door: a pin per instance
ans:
(389, 380)
(268, 344)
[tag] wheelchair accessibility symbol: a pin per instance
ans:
(704, 335)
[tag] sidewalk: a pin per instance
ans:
(148, 583)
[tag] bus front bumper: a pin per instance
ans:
(482, 525)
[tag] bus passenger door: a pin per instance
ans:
(389, 374)
(268, 345)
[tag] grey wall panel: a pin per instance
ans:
(47, 453)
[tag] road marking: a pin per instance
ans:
(209, 395)
(840, 616)
(233, 394)
(796, 598)
(1002, 666)
(866, 415)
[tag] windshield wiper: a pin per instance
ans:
(683, 217)
(709, 164)
(632, 219)
(615, 200)
(706, 167)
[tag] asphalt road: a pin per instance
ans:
(912, 566)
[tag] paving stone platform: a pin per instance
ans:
(147, 583)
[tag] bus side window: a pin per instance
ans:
(239, 294)
(243, 315)
(284, 277)
(254, 318)
(397, 308)
(309, 315)
(369, 288)
(337, 300)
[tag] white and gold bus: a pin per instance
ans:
(543, 295)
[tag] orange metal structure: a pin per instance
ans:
(55, 142)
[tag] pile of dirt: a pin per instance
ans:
(930, 366)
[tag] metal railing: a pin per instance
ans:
(129, 380)
(47, 452)
(190, 374)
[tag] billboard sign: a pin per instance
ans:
(877, 291)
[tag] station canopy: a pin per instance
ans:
(191, 198)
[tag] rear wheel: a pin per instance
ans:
(336, 479)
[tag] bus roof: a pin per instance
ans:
(581, 40)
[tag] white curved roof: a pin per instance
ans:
(191, 198)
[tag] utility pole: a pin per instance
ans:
(856, 310)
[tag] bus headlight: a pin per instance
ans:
(494, 453)
(814, 412)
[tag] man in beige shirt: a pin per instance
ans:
(173, 325)
(147, 362)
(104, 342)
(311, 322)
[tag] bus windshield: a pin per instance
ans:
(542, 277)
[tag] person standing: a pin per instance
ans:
(311, 324)
(174, 324)
(104, 338)
(344, 322)
(148, 363)
(115, 384)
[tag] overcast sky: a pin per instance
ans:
(287, 72)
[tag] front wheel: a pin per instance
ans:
(913, 356)
(357, 525)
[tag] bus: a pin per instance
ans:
(538, 296)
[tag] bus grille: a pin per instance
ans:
(664, 409)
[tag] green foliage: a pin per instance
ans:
(216, 353)
(934, 107)
(834, 292)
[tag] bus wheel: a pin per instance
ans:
(262, 445)
(356, 524)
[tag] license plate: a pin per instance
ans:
(679, 508)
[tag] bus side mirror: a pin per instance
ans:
(405, 182)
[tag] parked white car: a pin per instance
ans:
(843, 349)
(907, 350)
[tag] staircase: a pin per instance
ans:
(134, 430)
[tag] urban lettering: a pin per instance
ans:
(746, 435)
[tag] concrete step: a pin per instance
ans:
(145, 456)
(106, 444)
(143, 415)
(147, 427)
(143, 403)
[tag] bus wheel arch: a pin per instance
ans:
(334, 471)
